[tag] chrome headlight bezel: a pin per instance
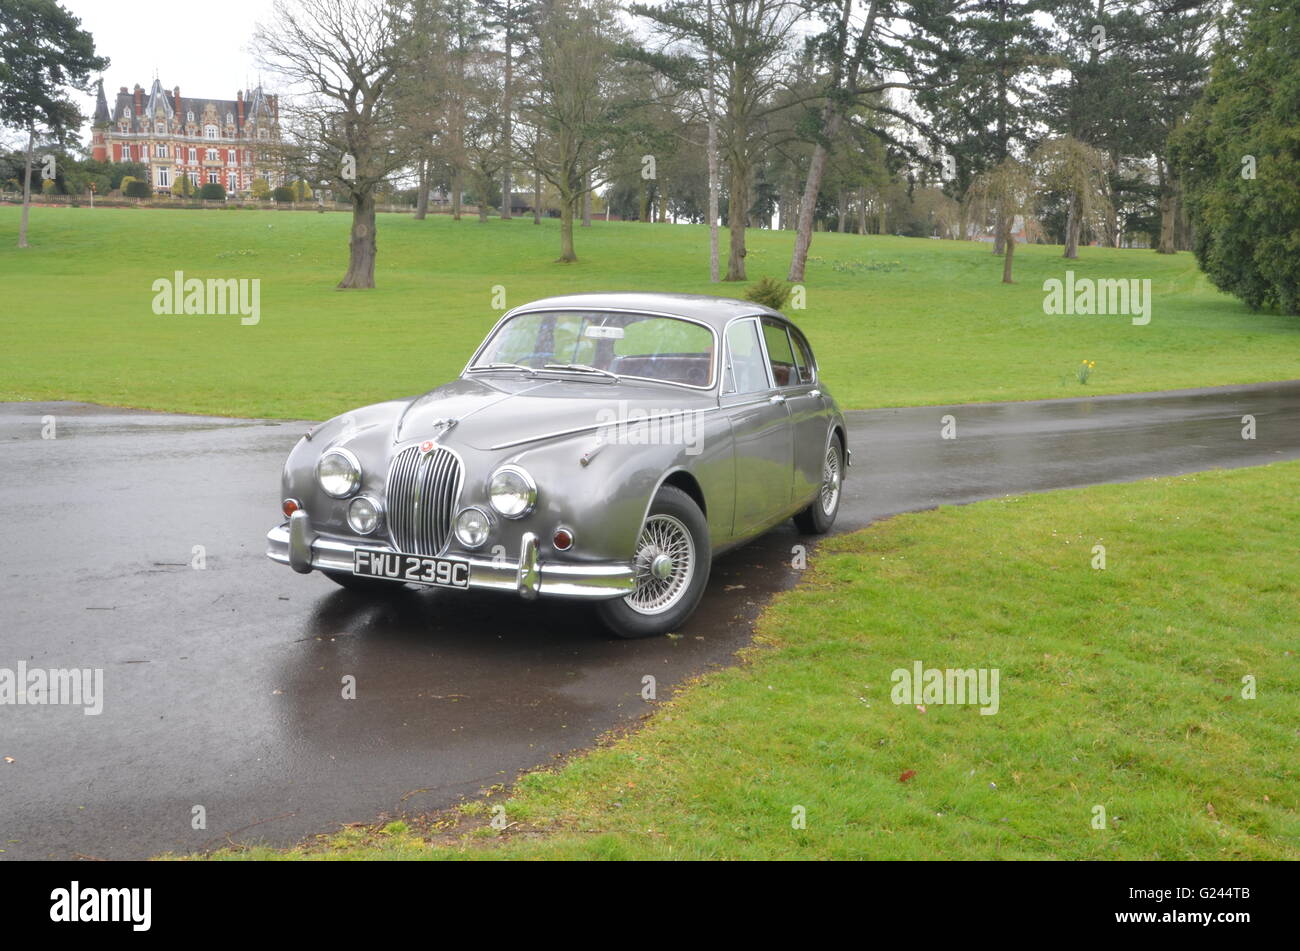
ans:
(375, 506)
(353, 479)
(487, 527)
(525, 489)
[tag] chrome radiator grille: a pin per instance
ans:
(422, 493)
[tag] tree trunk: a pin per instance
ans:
(27, 188)
(807, 207)
(999, 232)
(1072, 226)
(456, 189)
(361, 247)
(1010, 240)
(737, 203)
(643, 204)
(422, 195)
(713, 165)
(537, 196)
(1166, 245)
(506, 106)
(484, 185)
(566, 229)
(586, 202)
(843, 213)
(662, 213)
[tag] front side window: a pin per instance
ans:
(210, 131)
(666, 349)
(745, 370)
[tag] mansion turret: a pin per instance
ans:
(226, 141)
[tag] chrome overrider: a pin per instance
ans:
(295, 544)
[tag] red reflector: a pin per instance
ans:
(563, 539)
(289, 506)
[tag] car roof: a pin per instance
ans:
(715, 311)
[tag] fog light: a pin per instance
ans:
(363, 515)
(562, 539)
(289, 506)
(472, 527)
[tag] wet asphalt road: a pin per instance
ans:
(222, 685)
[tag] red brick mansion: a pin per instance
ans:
(225, 141)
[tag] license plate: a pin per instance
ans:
(415, 569)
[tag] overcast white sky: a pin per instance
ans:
(204, 49)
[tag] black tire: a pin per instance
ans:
(638, 614)
(818, 517)
(363, 585)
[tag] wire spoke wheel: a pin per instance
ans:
(830, 494)
(665, 565)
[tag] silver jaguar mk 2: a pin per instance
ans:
(597, 446)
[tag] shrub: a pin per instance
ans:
(769, 292)
(136, 188)
(283, 195)
(261, 190)
(213, 191)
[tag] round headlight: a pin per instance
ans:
(472, 527)
(512, 492)
(363, 515)
(339, 473)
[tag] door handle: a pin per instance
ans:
(778, 398)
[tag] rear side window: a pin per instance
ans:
(803, 357)
(745, 372)
(779, 352)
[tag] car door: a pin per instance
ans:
(760, 426)
(795, 376)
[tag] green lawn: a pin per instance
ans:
(894, 321)
(1120, 688)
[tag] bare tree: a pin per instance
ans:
(573, 100)
(1078, 171)
(340, 58)
(1004, 193)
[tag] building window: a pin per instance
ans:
(127, 112)
(214, 178)
(164, 178)
(194, 156)
(193, 177)
(189, 117)
(212, 155)
(210, 131)
(261, 133)
(124, 127)
(230, 118)
(160, 151)
(232, 157)
(160, 128)
(232, 182)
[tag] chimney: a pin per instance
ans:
(275, 107)
(139, 94)
(176, 95)
(239, 104)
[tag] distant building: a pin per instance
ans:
(224, 141)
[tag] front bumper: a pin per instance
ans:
(296, 545)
